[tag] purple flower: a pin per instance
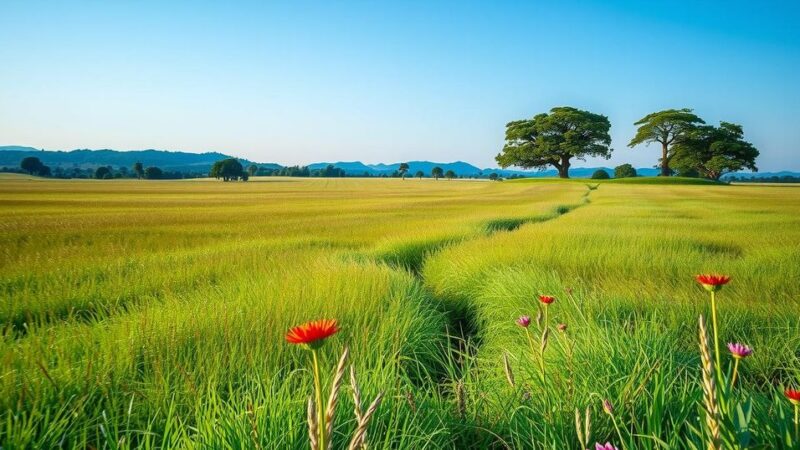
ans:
(607, 446)
(524, 321)
(739, 351)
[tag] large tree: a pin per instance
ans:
(32, 165)
(713, 151)
(403, 169)
(554, 138)
(437, 172)
(138, 169)
(153, 173)
(227, 169)
(668, 128)
(103, 172)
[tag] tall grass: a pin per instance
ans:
(152, 314)
(622, 268)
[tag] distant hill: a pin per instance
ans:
(783, 173)
(10, 156)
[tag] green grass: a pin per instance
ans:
(152, 314)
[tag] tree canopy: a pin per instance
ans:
(138, 168)
(668, 128)
(553, 139)
(34, 166)
(450, 175)
(714, 151)
(624, 171)
(227, 169)
(153, 173)
(102, 173)
(403, 169)
(419, 174)
(437, 172)
(600, 174)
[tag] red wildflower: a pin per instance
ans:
(312, 333)
(546, 299)
(793, 395)
(712, 282)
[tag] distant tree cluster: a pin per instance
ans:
(229, 169)
(33, 166)
(688, 145)
(757, 179)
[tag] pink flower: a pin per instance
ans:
(524, 321)
(608, 407)
(607, 446)
(739, 351)
(562, 327)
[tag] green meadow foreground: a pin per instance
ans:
(153, 314)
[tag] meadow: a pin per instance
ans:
(153, 314)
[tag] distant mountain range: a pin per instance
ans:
(10, 156)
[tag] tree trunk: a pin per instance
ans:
(563, 168)
(665, 172)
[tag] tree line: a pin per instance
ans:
(689, 146)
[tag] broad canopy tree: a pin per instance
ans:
(34, 166)
(403, 169)
(713, 151)
(437, 172)
(554, 138)
(227, 169)
(668, 128)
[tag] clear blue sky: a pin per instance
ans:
(296, 82)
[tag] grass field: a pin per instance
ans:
(153, 314)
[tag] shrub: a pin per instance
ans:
(624, 171)
(600, 174)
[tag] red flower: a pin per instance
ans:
(793, 395)
(312, 333)
(712, 282)
(546, 299)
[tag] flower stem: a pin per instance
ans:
(545, 315)
(619, 434)
(735, 371)
(797, 422)
(320, 409)
(530, 343)
(716, 335)
(534, 353)
(541, 364)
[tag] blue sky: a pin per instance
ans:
(297, 82)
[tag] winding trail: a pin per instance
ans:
(462, 324)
